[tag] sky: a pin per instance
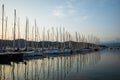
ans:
(100, 18)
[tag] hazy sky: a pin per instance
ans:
(98, 17)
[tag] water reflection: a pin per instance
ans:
(49, 68)
(113, 54)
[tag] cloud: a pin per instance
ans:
(84, 17)
(65, 9)
(71, 11)
(69, 4)
(59, 11)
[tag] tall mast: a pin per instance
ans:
(18, 32)
(35, 33)
(37, 37)
(48, 38)
(69, 40)
(53, 36)
(82, 41)
(2, 23)
(57, 38)
(6, 31)
(2, 20)
(14, 31)
(43, 37)
(32, 36)
(60, 38)
(6, 27)
(79, 41)
(64, 37)
(26, 33)
(53, 33)
(76, 40)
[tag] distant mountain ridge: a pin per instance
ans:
(111, 44)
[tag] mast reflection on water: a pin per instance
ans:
(51, 67)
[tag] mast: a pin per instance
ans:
(37, 37)
(68, 40)
(60, 38)
(14, 31)
(79, 41)
(83, 44)
(63, 38)
(76, 40)
(35, 33)
(48, 37)
(2, 23)
(43, 37)
(53, 37)
(57, 38)
(6, 28)
(18, 32)
(32, 36)
(26, 33)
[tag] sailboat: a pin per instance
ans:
(15, 53)
(33, 52)
(26, 51)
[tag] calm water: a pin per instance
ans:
(102, 65)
